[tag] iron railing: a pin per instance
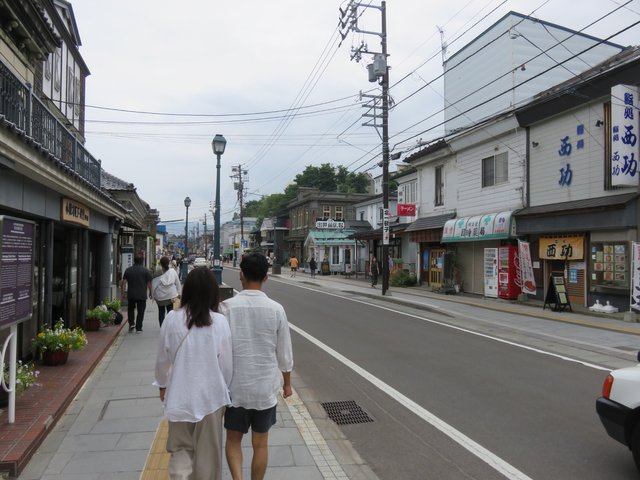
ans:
(32, 117)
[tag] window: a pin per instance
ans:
(57, 57)
(495, 170)
(439, 187)
(70, 86)
(339, 215)
(381, 214)
(76, 99)
(361, 216)
(610, 264)
(47, 68)
(335, 255)
(326, 212)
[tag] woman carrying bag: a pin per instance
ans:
(166, 288)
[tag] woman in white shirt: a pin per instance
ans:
(193, 371)
(165, 287)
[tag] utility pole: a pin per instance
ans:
(238, 185)
(206, 257)
(378, 72)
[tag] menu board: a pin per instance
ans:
(557, 298)
(16, 269)
(610, 264)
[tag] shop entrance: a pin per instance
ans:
(436, 265)
(66, 276)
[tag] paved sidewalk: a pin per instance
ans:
(114, 428)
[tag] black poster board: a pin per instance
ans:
(557, 297)
(16, 269)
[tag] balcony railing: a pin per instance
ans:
(35, 120)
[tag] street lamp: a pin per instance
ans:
(184, 268)
(218, 144)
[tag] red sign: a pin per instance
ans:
(406, 210)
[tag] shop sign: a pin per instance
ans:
(330, 224)
(624, 135)
(16, 270)
(406, 210)
(635, 267)
(74, 212)
(491, 226)
(385, 227)
(562, 247)
(526, 268)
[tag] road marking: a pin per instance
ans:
(473, 447)
(462, 329)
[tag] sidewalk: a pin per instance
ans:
(110, 427)
(114, 427)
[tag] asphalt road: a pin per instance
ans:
(499, 410)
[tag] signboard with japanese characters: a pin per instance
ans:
(562, 247)
(624, 135)
(330, 224)
(526, 268)
(406, 210)
(385, 227)
(482, 227)
(635, 267)
(16, 269)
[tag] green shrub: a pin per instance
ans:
(402, 278)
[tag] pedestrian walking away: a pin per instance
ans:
(313, 266)
(262, 364)
(166, 288)
(136, 281)
(293, 263)
(193, 371)
(374, 271)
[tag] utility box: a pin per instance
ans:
(276, 269)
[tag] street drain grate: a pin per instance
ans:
(346, 413)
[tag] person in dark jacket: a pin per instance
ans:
(313, 266)
(136, 281)
(374, 271)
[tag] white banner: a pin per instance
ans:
(385, 227)
(624, 135)
(526, 268)
(635, 277)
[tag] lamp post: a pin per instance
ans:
(184, 267)
(218, 144)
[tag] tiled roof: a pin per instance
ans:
(111, 182)
(427, 223)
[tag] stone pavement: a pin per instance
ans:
(113, 428)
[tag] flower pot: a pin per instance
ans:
(54, 357)
(92, 324)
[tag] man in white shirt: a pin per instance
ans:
(262, 364)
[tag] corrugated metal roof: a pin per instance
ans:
(427, 223)
(585, 204)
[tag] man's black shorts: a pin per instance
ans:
(240, 419)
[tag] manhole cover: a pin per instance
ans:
(346, 413)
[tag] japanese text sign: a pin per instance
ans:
(562, 247)
(624, 135)
(406, 210)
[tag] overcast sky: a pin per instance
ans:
(237, 68)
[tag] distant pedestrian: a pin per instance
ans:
(374, 271)
(313, 266)
(136, 281)
(262, 364)
(390, 263)
(293, 263)
(193, 371)
(166, 288)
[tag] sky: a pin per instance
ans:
(270, 76)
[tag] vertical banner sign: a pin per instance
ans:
(635, 277)
(385, 227)
(16, 270)
(624, 135)
(526, 268)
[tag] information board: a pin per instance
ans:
(16, 269)
(557, 297)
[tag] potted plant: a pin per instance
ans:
(56, 343)
(26, 376)
(114, 307)
(95, 317)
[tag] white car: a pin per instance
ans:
(619, 408)
(200, 262)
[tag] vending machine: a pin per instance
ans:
(491, 272)
(508, 272)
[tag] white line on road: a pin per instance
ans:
(478, 450)
(461, 329)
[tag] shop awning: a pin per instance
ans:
(491, 226)
(428, 223)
